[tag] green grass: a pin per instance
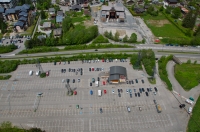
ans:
(165, 30)
(78, 19)
(5, 77)
(188, 75)
(1, 35)
(152, 81)
(192, 126)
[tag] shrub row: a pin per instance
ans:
(39, 50)
(7, 48)
(96, 46)
(162, 63)
(11, 65)
(5, 77)
(133, 13)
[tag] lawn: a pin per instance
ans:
(1, 35)
(161, 27)
(188, 75)
(192, 126)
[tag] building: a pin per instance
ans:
(129, 2)
(47, 25)
(112, 13)
(59, 16)
(170, 3)
(8, 3)
(57, 32)
(52, 13)
(76, 8)
(118, 74)
(2, 10)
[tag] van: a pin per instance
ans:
(30, 73)
(97, 83)
(99, 93)
(189, 101)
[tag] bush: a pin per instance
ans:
(5, 77)
(7, 48)
(100, 39)
(162, 63)
(42, 75)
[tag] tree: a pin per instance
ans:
(189, 20)
(168, 10)
(176, 12)
(196, 40)
(67, 24)
(133, 38)
(3, 26)
(125, 39)
(116, 37)
(43, 15)
(197, 32)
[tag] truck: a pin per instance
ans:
(158, 108)
(99, 93)
(97, 83)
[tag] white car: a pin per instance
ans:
(113, 91)
(37, 73)
(63, 80)
(127, 91)
(190, 110)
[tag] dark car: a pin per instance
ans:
(90, 84)
(142, 81)
(182, 105)
(89, 69)
(135, 94)
(138, 94)
(129, 82)
(155, 89)
(121, 90)
(69, 69)
(64, 70)
(101, 111)
(73, 80)
(119, 94)
(126, 82)
(118, 90)
(61, 70)
(98, 79)
(132, 82)
(81, 73)
(154, 101)
(68, 62)
(147, 89)
(142, 89)
(136, 81)
(147, 94)
(130, 95)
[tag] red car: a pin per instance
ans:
(47, 73)
(102, 60)
(75, 93)
(92, 69)
(104, 83)
(104, 91)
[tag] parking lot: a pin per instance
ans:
(55, 111)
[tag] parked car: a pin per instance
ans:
(77, 106)
(142, 81)
(136, 81)
(47, 73)
(75, 92)
(128, 109)
(138, 94)
(121, 90)
(190, 110)
(142, 89)
(101, 110)
(134, 90)
(147, 89)
(135, 94)
(113, 91)
(91, 92)
(155, 89)
(127, 91)
(68, 80)
(104, 91)
(130, 91)
(118, 90)
(73, 80)
(130, 95)
(147, 94)
(90, 84)
(119, 94)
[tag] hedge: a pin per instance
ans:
(39, 50)
(5, 77)
(162, 63)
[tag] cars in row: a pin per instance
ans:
(132, 81)
(68, 80)
(95, 69)
(37, 73)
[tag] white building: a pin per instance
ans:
(8, 3)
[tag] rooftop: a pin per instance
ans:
(47, 24)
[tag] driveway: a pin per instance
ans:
(194, 92)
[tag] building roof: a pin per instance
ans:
(108, 8)
(57, 31)
(114, 77)
(59, 18)
(22, 18)
(2, 10)
(26, 6)
(23, 14)
(76, 7)
(20, 8)
(60, 13)
(114, 70)
(172, 1)
(5, 0)
(19, 23)
(9, 11)
(51, 10)
(47, 24)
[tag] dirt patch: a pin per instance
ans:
(89, 23)
(158, 23)
(121, 32)
(95, 8)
